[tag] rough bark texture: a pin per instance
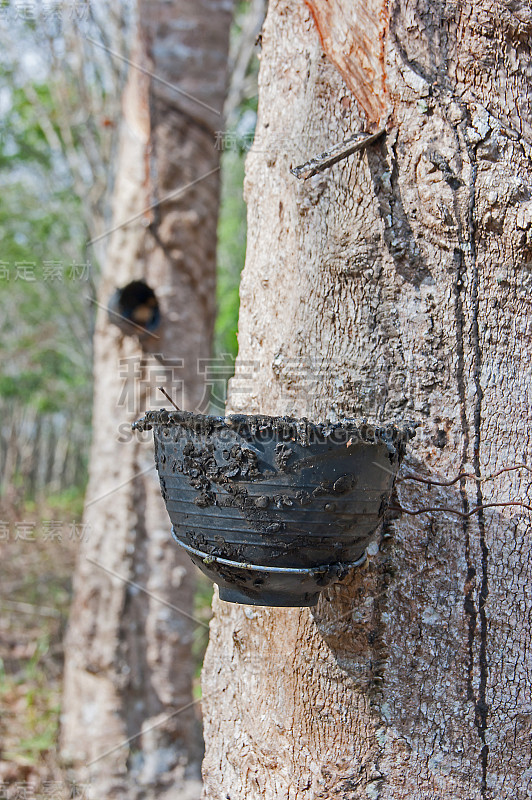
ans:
(396, 285)
(129, 725)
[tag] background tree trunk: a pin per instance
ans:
(396, 285)
(129, 722)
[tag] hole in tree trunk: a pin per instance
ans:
(134, 309)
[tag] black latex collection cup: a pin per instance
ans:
(273, 509)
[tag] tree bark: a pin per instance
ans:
(394, 286)
(129, 719)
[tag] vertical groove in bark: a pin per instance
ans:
(396, 285)
(130, 726)
(481, 706)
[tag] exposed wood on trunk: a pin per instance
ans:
(353, 36)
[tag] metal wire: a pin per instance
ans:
(257, 568)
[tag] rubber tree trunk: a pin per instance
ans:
(129, 724)
(394, 286)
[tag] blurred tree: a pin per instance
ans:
(61, 76)
(128, 671)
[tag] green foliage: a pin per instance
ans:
(21, 136)
(45, 285)
(67, 504)
(231, 252)
(43, 314)
(39, 711)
